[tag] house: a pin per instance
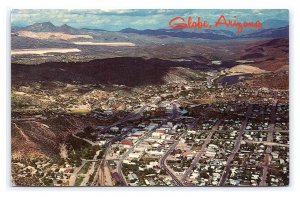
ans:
(100, 127)
(161, 130)
(132, 177)
(275, 155)
(147, 182)
(102, 142)
(157, 135)
(255, 176)
(191, 132)
(248, 127)
(126, 143)
(129, 162)
(234, 182)
(155, 153)
(108, 112)
(188, 154)
(115, 106)
(125, 129)
(135, 155)
(142, 125)
(114, 129)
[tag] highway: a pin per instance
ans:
(125, 155)
(236, 147)
(90, 170)
(201, 152)
(163, 165)
(73, 177)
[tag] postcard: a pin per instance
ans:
(150, 97)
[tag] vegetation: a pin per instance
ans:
(79, 180)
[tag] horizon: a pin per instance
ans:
(116, 20)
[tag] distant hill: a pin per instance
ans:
(49, 27)
(213, 35)
(282, 32)
(269, 55)
(41, 27)
(243, 68)
(276, 31)
(274, 23)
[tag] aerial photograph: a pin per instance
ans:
(149, 98)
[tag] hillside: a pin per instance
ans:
(246, 69)
(268, 55)
(123, 71)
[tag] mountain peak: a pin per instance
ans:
(45, 24)
(65, 26)
(49, 27)
(41, 27)
(129, 30)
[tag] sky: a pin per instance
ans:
(115, 20)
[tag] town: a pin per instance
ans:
(192, 133)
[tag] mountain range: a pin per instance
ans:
(271, 29)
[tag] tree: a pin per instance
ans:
(89, 130)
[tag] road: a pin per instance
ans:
(100, 171)
(210, 80)
(236, 147)
(125, 155)
(86, 140)
(74, 174)
(90, 171)
(201, 152)
(163, 165)
(268, 151)
(134, 114)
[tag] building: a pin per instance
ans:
(114, 129)
(126, 143)
(157, 135)
(132, 177)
